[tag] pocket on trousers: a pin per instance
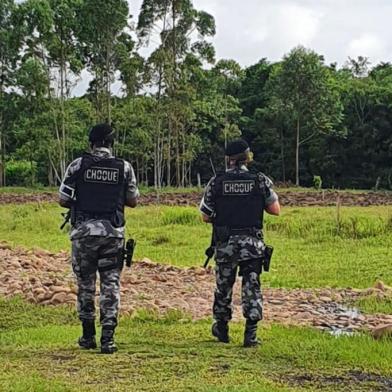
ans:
(107, 264)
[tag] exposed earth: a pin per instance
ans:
(287, 198)
(45, 278)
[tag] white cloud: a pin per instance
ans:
(369, 45)
(252, 29)
(293, 24)
(249, 30)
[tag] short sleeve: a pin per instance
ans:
(132, 190)
(271, 198)
(266, 183)
(207, 204)
(67, 187)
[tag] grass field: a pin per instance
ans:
(38, 353)
(312, 248)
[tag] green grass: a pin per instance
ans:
(373, 304)
(311, 248)
(22, 190)
(175, 354)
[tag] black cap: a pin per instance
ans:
(235, 147)
(100, 132)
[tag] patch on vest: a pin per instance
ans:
(238, 188)
(102, 175)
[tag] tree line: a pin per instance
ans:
(178, 106)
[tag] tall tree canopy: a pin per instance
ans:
(175, 108)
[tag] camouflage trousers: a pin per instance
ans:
(251, 298)
(98, 254)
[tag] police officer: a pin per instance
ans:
(96, 187)
(234, 202)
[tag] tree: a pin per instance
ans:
(175, 23)
(134, 123)
(306, 93)
(10, 43)
(33, 125)
(103, 25)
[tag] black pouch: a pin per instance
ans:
(111, 261)
(221, 233)
(117, 219)
(248, 266)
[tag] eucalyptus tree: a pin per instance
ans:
(33, 126)
(65, 63)
(180, 31)
(50, 38)
(10, 42)
(134, 124)
(104, 29)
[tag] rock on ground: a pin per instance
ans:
(45, 278)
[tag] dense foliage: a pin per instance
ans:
(177, 106)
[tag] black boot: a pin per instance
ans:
(220, 330)
(87, 341)
(250, 338)
(107, 341)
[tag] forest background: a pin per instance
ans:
(305, 120)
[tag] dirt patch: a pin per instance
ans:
(288, 198)
(350, 381)
(21, 198)
(45, 278)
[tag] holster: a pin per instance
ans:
(128, 252)
(267, 257)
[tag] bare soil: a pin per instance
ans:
(287, 198)
(350, 381)
(45, 278)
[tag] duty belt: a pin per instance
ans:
(251, 231)
(223, 233)
(83, 216)
(244, 231)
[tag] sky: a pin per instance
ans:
(248, 30)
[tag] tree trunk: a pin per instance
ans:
(2, 168)
(297, 155)
(178, 173)
(62, 110)
(108, 103)
(137, 171)
(168, 182)
(2, 143)
(282, 154)
(190, 173)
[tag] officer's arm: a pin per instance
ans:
(207, 205)
(206, 218)
(65, 203)
(67, 187)
(272, 205)
(131, 202)
(274, 208)
(132, 191)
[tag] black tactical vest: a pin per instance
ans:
(239, 200)
(100, 189)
